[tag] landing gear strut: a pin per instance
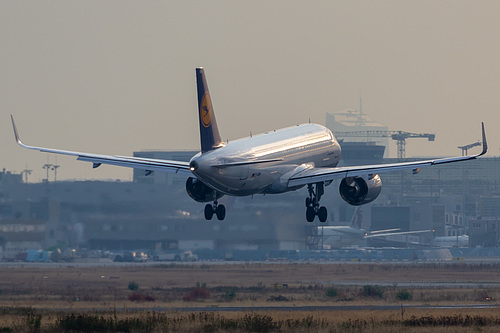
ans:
(215, 208)
(312, 203)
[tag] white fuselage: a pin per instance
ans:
(263, 163)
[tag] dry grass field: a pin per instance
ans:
(140, 298)
(411, 320)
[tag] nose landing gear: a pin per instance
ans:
(312, 203)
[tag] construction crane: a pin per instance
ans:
(467, 147)
(399, 136)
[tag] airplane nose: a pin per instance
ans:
(193, 166)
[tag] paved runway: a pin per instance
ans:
(332, 308)
(287, 308)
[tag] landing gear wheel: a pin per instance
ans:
(316, 191)
(310, 214)
(209, 212)
(322, 214)
(220, 211)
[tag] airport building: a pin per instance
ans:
(147, 215)
(131, 215)
(154, 212)
(352, 120)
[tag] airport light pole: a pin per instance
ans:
(47, 167)
(26, 172)
(55, 167)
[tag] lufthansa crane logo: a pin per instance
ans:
(206, 110)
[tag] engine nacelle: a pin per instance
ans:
(358, 190)
(199, 191)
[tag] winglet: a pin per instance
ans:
(485, 144)
(16, 134)
(18, 139)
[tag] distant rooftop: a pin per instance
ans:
(349, 120)
(354, 118)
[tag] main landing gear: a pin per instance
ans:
(215, 208)
(312, 203)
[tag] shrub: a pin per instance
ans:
(279, 298)
(138, 297)
(372, 291)
(34, 322)
(83, 323)
(197, 293)
(331, 292)
(229, 295)
(404, 295)
(132, 285)
(259, 323)
(94, 323)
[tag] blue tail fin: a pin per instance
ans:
(209, 133)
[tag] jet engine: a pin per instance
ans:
(199, 191)
(358, 190)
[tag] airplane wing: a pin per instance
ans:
(315, 175)
(397, 233)
(344, 230)
(148, 164)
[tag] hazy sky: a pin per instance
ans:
(115, 77)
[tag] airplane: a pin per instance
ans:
(274, 162)
(345, 236)
(451, 241)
